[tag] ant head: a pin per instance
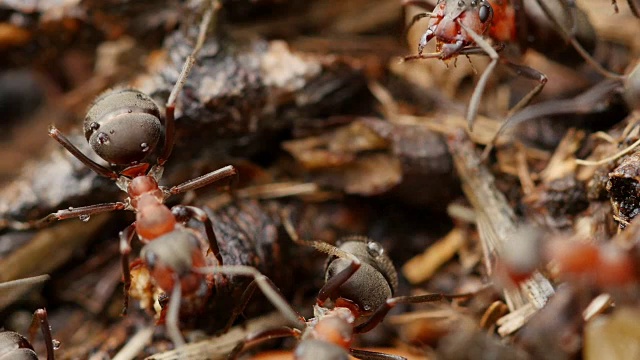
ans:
(479, 10)
(123, 126)
(374, 282)
(174, 254)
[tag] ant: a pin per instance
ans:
(460, 26)
(124, 127)
(360, 281)
(17, 347)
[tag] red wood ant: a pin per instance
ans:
(459, 28)
(360, 281)
(123, 127)
(16, 347)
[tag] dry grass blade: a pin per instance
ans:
(219, 347)
(496, 225)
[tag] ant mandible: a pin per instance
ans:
(123, 127)
(360, 281)
(460, 26)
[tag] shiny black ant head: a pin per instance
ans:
(375, 281)
(123, 126)
(481, 8)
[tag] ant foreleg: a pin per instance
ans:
(374, 355)
(415, 19)
(79, 212)
(226, 172)
(382, 311)
(182, 78)
(266, 285)
(334, 283)
(172, 319)
(474, 103)
(260, 336)
(184, 213)
(97, 168)
(125, 249)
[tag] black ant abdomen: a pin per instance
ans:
(123, 126)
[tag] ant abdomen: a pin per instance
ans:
(123, 126)
(375, 281)
(175, 253)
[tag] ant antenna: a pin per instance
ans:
(318, 245)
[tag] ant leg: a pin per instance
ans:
(173, 315)
(266, 285)
(170, 107)
(260, 336)
(569, 37)
(207, 179)
(581, 104)
(333, 284)
(125, 249)
(374, 355)
(184, 213)
(239, 308)
(414, 20)
(97, 168)
(472, 111)
(40, 318)
(340, 278)
(84, 211)
(437, 55)
(382, 311)
(528, 73)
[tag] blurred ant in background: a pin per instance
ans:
(360, 281)
(461, 28)
(124, 127)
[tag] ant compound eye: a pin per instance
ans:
(485, 12)
(375, 249)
